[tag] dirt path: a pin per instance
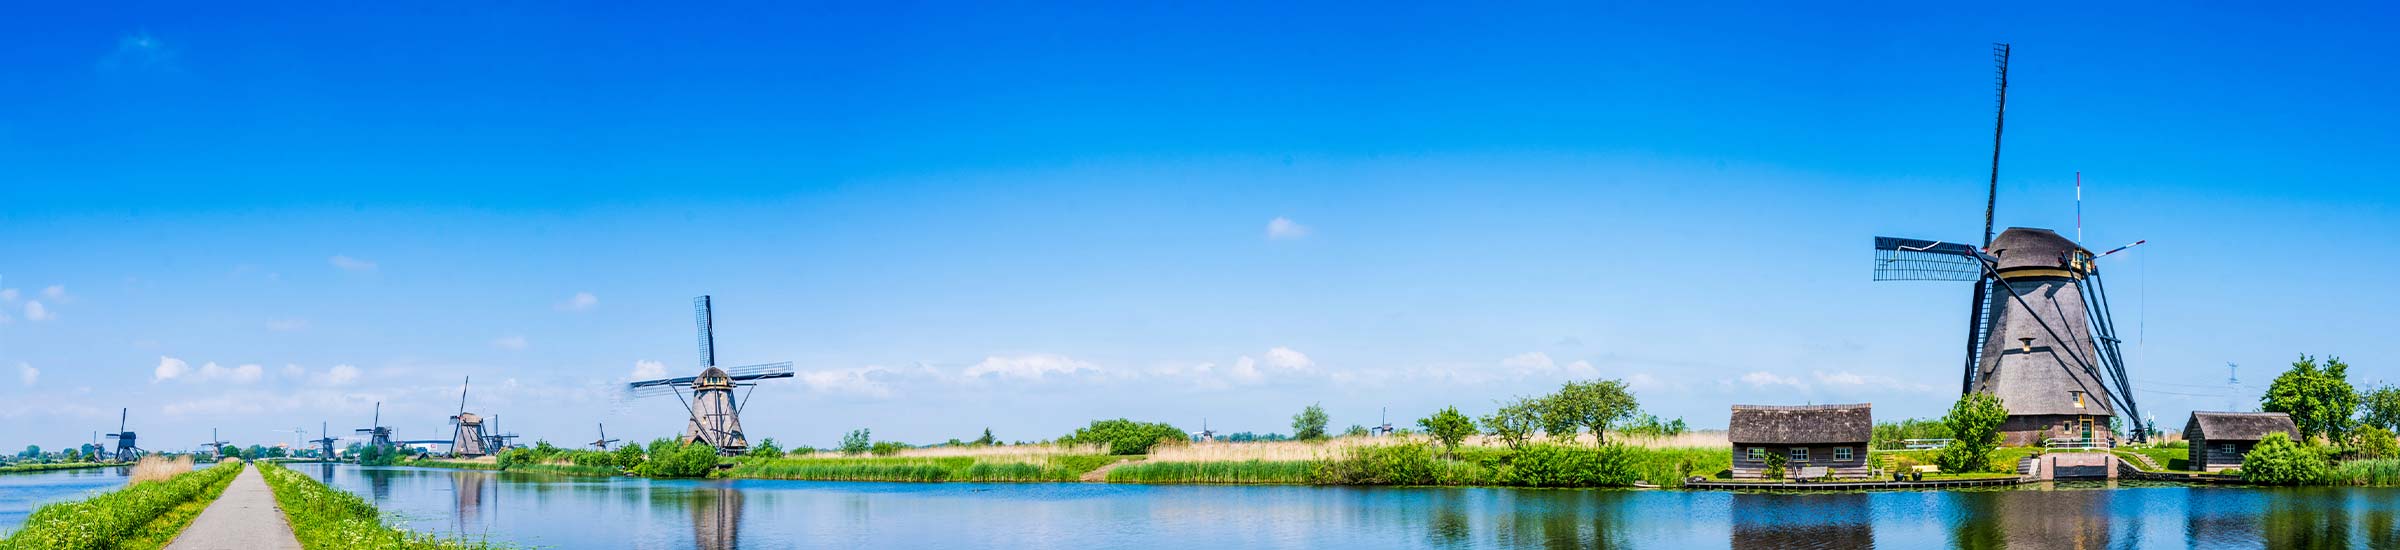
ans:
(244, 518)
(1101, 474)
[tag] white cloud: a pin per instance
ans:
(139, 52)
(1531, 360)
(512, 343)
(581, 301)
(35, 312)
(1245, 370)
(242, 374)
(287, 325)
(1763, 379)
(56, 293)
(858, 381)
(339, 375)
(646, 369)
(169, 368)
(347, 263)
(8, 294)
(1289, 359)
(1028, 367)
(1282, 228)
(293, 371)
(27, 374)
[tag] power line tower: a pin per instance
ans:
(2233, 386)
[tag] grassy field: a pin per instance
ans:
(48, 467)
(140, 515)
(2176, 460)
(325, 518)
(954, 467)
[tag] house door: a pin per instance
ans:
(2087, 428)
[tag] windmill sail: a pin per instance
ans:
(1900, 259)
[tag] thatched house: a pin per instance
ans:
(1828, 436)
(2219, 439)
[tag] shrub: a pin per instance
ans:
(1974, 423)
(628, 456)
(2277, 460)
(2373, 442)
(1404, 464)
(767, 448)
(1123, 437)
(886, 448)
(671, 459)
(1569, 466)
(1775, 464)
(857, 442)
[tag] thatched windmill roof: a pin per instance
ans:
(1801, 424)
(2021, 248)
(2238, 426)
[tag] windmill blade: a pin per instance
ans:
(1902, 259)
(779, 369)
(708, 340)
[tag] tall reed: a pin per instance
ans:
(157, 468)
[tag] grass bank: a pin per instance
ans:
(48, 467)
(142, 515)
(1247, 471)
(567, 470)
(452, 464)
(326, 518)
(922, 469)
(1415, 463)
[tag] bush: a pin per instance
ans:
(1123, 437)
(628, 456)
(2373, 442)
(1974, 423)
(1405, 464)
(669, 458)
(767, 448)
(1569, 466)
(886, 448)
(2277, 460)
(857, 442)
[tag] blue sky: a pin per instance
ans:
(1023, 217)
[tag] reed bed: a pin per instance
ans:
(326, 518)
(157, 468)
(1249, 471)
(1022, 453)
(140, 515)
(1269, 451)
(2380, 472)
(984, 468)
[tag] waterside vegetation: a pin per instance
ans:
(142, 515)
(324, 518)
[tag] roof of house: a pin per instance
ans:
(1802, 424)
(2240, 426)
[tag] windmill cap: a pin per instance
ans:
(2036, 252)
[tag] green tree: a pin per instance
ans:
(1514, 423)
(31, 451)
(1125, 437)
(1309, 425)
(767, 448)
(2380, 408)
(2373, 442)
(628, 456)
(72, 455)
(857, 442)
(1355, 430)
(987, 439)
(2277, 460)
(1448, 427)
(1590, 406)
(2319, 398)
(1974, 423)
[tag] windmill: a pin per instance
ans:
(603, 442)
(715, 416)
(216, 446)
(2039, 335)
(467, 439)
(126, 450)
(1385, 428)
(325, 444)
(378, 435)
(1206, 435)
(494, 440)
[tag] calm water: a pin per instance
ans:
(570, 512)
(21, 493)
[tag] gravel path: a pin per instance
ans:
(244, 518)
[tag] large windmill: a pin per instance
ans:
(2039, 334)
(715, 416)
(467, 439)
(126, 450)
(378, 435)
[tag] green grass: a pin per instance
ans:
(452, 464)
(326, 518)
(132, 514)
(48, 467)
(1667, 467)
(2380, 472)
(1253, 471)
(2004, 459)
(568, 470)
(2175, 460)
(950, 468)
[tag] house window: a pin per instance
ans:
(1758, 454)
(1799, 454)
(1841, 453)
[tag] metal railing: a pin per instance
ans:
(2075, 443)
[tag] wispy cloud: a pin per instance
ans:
(139, 51)
(647, 369)
(27, 374)
(169, 368)
(1282, 228)
(581, 301)
(287, 325)
(57, 293)
(1762, 379)
(1028, 367)
(511, 343)
(347, 263)
(34, 311)
(8, 294)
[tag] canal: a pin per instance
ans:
(575, 512)
(20, 493)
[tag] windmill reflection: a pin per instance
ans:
(466, 490)
(716, 518)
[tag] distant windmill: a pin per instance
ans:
(603, 442)
(325, 444)
(378, 435)
(1386, 427)
(494, 440)
(126, 450)
(1206, 435)
(467, 439)
(715, 416)
(216, 446)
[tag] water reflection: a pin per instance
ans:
(1838, 520)
(716, 518)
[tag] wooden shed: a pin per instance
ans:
(1827, 436)
(2219, 439)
